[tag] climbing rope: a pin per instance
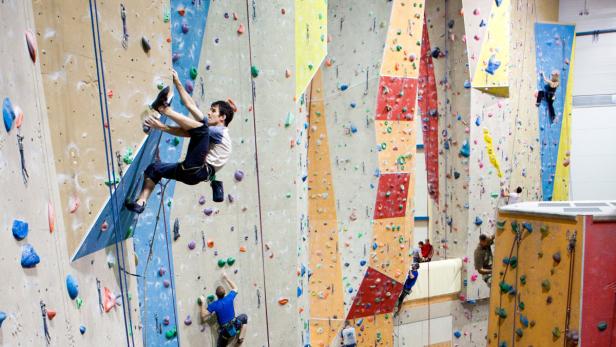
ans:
(518, 237)
(571, 249)
(100, 71)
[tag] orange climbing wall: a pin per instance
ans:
(325, 285)
(395, 137)
(536, 263)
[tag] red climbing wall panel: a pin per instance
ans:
(377, 294)
(391, 198)
(396, 99)
(599, 283)
(428, 107)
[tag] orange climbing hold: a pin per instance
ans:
(242, 249)
(210, 243)
(283, 301)
(109, 300)
(240, 29)
(182, 11)
(51, 217)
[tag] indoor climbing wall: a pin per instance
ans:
(537, 280)
(258, 234)
(554, 45)
(310, 40)
(51, 300)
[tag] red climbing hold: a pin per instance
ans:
(240, 29)
(32, 47)
(51, 314)
(391, 199)
(109, 300)
(182, 11)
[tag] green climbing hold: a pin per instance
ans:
(521, 305)
(174, 142)
(556, 332)
(519, 332)
(110, 183)
(505, 287)
(128, 156)
(79, 302)
(210, 298)
(254, 71)
(515, 227)
(500, 225)
(546, 285)
(523, 279)
(193, 73)
(222, 262)
(544, 230)
(171, 333)
(230, 261)
(310, 66)
(602, 325)
(289, 120)
(160, 85)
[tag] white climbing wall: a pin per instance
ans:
(23, 81)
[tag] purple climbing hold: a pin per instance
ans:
(184, 28)
(175, 57)
(166, 283)
(166, 320)
(20, 229)
(208, 211)
(29, 258)
(188, 320)
(239, 175)
(231, 198)
(189, 86)
(202, 200)
(8, 114)
(192, 245)
(161, 271)
(556, 257)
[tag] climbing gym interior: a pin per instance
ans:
(383, 173)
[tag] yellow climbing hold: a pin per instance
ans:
(487, 138)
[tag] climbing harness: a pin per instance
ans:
(24, 171)
(124, 30)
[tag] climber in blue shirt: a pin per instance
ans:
(230, 325)
(411, 279)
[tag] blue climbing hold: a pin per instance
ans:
(353, 104)
(375, 246)
(467, 84)
(72, 287)
(362, 262)
(353, 129)
(499, 2)
(524, 320)
(2, 318)
(446, 143)
(29, 258)
(528, 227)
(20, 229)
(493, 65)
(343, 87)
(303, 270)
(457, 334)
(299, 291)
(465, 150)
(82, 329)
(478, 121)
(478, 221)
(350, 290)
(8, 114)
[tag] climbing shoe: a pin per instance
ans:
(218, 193)
(133, 206)
(163, 98)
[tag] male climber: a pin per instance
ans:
(208, 150)
(483, 257)
(409, 283)
(225, 314)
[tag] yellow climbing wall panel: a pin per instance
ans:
(393, 237)
(492, 72)
(397, 145)
(375, 331)
(325, 286)
(403, 46)
(544, 305)
(562, 174)
(310, 40)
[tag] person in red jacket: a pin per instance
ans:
(426, 250)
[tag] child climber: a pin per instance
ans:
(549, 92)
(208, 150)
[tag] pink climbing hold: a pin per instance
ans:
(476, 12)
(474, 277)
(19, 116)
(240, 29)
(32, 46)
(74, 203)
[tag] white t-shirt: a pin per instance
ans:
(348, 336)
(220, 147)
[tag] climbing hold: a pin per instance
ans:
(19, 116)
(521, 305)
(254, 71)
(166, 283)
(145, 44)
(289, 120)
(171, 333)
(210, 243)
(79, 302)
(523, 279)
(362, 262)
(283, 301)
(190, 87)
(602, 325)
(29, 258)
(166, 320)
(230, 261)
(493, 65)
(505, 287)
(82, 329)
(524, 320)
(500, 225)
(528, 227)
(545, 284)
(343, 86)
(556, 332)
(515, 227)
(501, 312)
(548, 300)
(478, 221)
(239, 175)
(2, 318)
(32, 46)
(457, 334)
(20, 229)
(502, 344)
(185, 28)
(556, 257)
(519, 332)
(51, 217)
(240, 29)
(202, 200)
(72, 287)
(8, 114)
(188, 320)
(465, 150)
(544, 230)
(193, 73)
(51, 314)
(208, 211)
(498, 2)
(192, 245)
(211, 298)
(222, 262)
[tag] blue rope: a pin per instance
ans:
(109, 149)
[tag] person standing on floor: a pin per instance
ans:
(427, 251)
(347, 335)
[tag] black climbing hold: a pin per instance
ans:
(436, 52)
(545, 284)
(145, 44)
(519, 332)
(548, 300)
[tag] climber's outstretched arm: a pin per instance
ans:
(187, 100)
(231, 284)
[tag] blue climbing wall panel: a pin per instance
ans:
(554, 44)
(153, 233)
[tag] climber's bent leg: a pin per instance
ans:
(540, 95)
(152, 175)
(241, 321)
